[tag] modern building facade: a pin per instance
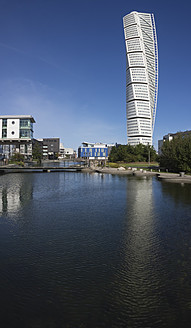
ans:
(141, 76)
(50, 147)
(94, 151)
(16, 135)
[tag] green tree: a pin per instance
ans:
(128, 153)
(176, 154)
(37, 153)
(17, 157)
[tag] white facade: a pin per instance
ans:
(66, 152)
(16, 127)
(141, 76)
(69, 151)
(16, 135)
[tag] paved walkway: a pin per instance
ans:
(168, 177)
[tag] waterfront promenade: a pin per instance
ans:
(162, 176)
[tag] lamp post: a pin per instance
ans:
(149, 154)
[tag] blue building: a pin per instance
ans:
(99, 151)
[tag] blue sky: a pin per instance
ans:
(63, 61)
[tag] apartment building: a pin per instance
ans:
(16, 135)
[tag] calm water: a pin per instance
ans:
(80, 250)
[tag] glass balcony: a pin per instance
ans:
(25, 133)
(26, 124)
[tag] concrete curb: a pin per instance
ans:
(176, 178)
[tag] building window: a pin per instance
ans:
(4, 123)
(25, 123)
(4, 133)
(13, 122)
(12, 132)
(25, 133)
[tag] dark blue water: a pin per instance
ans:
(89, 250)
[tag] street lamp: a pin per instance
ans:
(149, 154)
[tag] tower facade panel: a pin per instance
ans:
(141, 76)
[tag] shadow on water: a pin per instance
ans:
(179, 192)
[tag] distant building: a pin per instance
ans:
(16, 135)
(66, 152)
(171, 136)
(61, 151)
(69, 152)
(51, 147)
(92, 151)
(160, 143)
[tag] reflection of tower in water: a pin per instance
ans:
(140, 241)
(140, 217)
(15, 192)
(137, 277)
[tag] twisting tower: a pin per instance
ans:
(141, 76)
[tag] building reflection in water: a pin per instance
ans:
(16, 190)
(153, 275)
(137, 278)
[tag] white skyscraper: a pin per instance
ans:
(141, 76)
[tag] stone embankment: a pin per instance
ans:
(111, 170)
(167, 177)
(119, 171)
(176, 178)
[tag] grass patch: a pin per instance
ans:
(113, 165)
(133, 164)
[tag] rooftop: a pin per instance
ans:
(98, 144)
(18, 117)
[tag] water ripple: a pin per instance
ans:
(81, 251)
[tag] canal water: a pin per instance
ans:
(89, 250)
